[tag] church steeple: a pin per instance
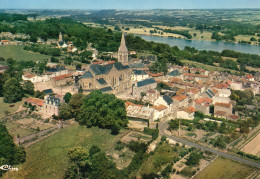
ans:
(123, 51)
(60, 37)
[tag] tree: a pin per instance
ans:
(78, 156)
(173, 125)
(13, 91)
(80, 90)
(143, 94)
(67, 97)
(65, 112)
(194, 158)
(75, 104)
(104, 111)
(28, 87)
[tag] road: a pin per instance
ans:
(164, 125)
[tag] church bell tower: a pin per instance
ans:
(123, 52)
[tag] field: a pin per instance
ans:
(47, 159)
(253, 147)
(223, 168)
(205, 66)
(6, 107)
(17, 53)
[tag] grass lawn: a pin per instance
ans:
(223, 168)
(6, 107)
(205, 66)
(17, 53)
(47, 158)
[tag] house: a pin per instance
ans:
(51, 105)
(203, 105)
(236, 85)
(174, 73)
(139, 112)
(29, 77)
(250, 77)
(62, 80)
(165, 100)
(159, 111)
(143, 86)
(151, 95)
(181, 100)
(187, 113)
(5, 42)
(35, 102)
(48, 91)
(139, 75)
(223, 109)
(196, 77)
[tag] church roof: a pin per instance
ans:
(105, 69)
(123, 48)
(106, 89)
(87, 74)
(145, 82)
(102, 81)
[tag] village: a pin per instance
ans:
(183, 94)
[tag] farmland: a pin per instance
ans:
(17, 53)
(224, 168)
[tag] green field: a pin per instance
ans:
(223, 168)
(47, 159)
(6, 107)
(17, 53)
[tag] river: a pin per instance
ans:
(204, 45)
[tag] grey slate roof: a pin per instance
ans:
(139, 72)
(48, 91)
(105, 69)
(137, 65)
(87, 74)
(167, 99)
(145, 82)
(106, 89)
(102, 81)
(174, 73)
(58, 68)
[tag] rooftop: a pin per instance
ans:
(145, 82)
(225, 105)
(35, 101)
(180, 97)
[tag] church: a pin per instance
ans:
(111, 78)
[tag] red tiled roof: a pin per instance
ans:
(195, 75)
(155, 75)
(233, 116)
(29, 75)
(128, 103)
(35, 101)
(110, 62)
(180, 97)
(220, 113)
(4, 40)
(159, 108)
(225, 105)
(189, 110)
(203, 100)
(249, 76)
(61, 77)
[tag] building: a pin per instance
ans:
(187, 113)
(143, 86)
(181, 101)
(159, 111)
(51, 105)
(165, 100)
(236, 86)
(35, 102)
(62, 80)
(223, 109)
(203, 105)
(114, 76)
(139, 75)
(123, 52)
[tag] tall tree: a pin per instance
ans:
(104, 111)
(28, 87)
(13, 91)
(67, 97)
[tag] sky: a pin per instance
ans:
(128, 4)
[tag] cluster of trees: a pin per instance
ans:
(96, 109)
(9, 153)
(12, 17)
(184, 33)
(11, 87)
(43, 50)
(242, 97)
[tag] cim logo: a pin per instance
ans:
(8, 167)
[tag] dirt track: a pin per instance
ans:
(253, 147)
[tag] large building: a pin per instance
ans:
(114, 78)
(123, 52)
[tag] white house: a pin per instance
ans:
(165, 101)
(139, 75)
(159, 111)
(236, 86)
(187, 113)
